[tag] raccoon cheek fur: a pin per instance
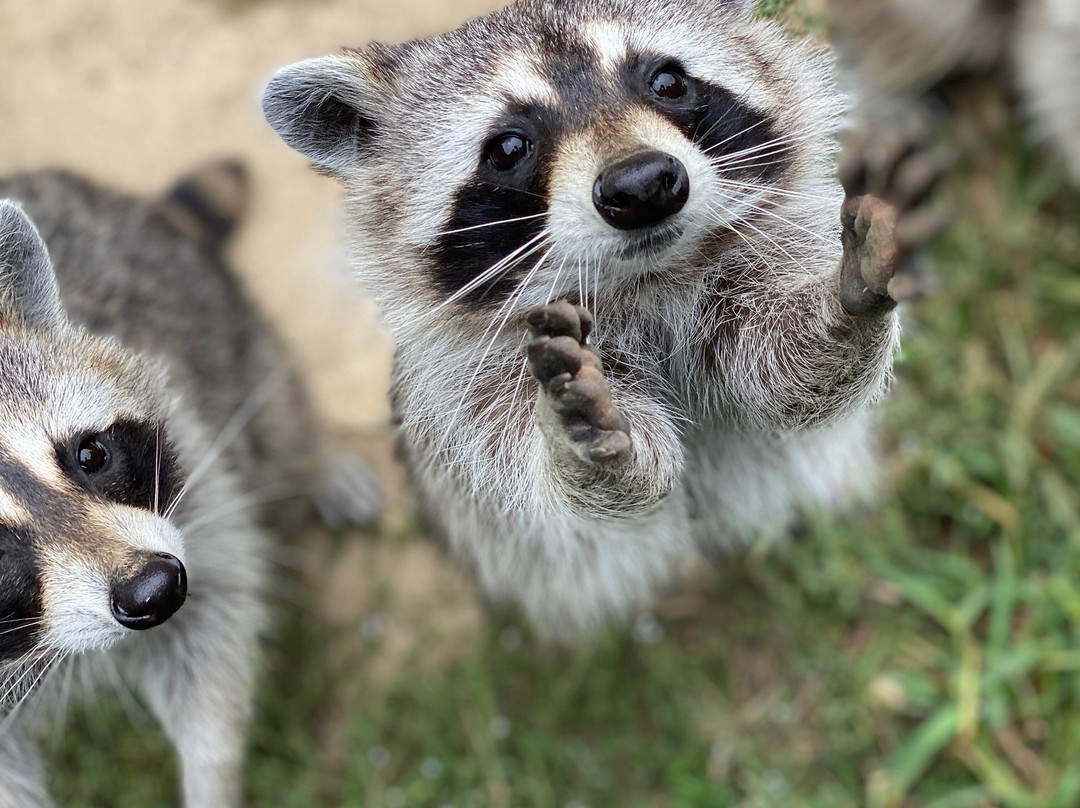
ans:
(664, 169)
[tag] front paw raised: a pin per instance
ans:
(885, 219)
(573, 390)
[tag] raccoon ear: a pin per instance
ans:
(28, 291)
(319, 107)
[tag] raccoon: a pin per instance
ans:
(637, 318)
(897, 49)
(145, 408)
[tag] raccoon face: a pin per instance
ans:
(555, 147)
(87, 475)
(619, 179)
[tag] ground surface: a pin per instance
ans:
(923, 654)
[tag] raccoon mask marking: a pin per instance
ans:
(20, 593)
(130, 463)
(499, 213)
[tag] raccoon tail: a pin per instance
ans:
(207, 204)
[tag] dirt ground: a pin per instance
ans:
(133, 94)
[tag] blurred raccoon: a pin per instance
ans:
(636, 316)
(898, 49)
(144, 406)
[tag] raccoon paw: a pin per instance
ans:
(572, 382)
(886, 219)
(352, 497)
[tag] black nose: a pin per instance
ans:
(641, 190)
(152, 595)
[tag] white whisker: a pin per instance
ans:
(19, 624)
(508, 306)
(34, 669)
(502, 266)
(63, 701)
(770, 189)
(157, 471)
(232, 430)
(276, 491)
(491, 224)
(786, 141)
(822, 238)
(761, 233)
(731, 137)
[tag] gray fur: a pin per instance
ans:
(159, 331)
(308, 114)
(745, 386)
(28, 292)
(1047, 57)
(897, 49)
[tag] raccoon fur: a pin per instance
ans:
(896, 49)
(144, 406)
(607, 238)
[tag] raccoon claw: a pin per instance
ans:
(609, 447)
(562, 319)
(555, 360)
(571, 375)
(885, 220)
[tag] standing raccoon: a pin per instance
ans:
(898, 48)
(636, 316)
(142, 404)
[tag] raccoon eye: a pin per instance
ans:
(93, 456)
(507, 150)
(668, 82)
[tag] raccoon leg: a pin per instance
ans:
(822, 348)
(200, 683)
(884, 221)
(22, 777)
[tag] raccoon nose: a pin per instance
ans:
(152, 595)
(641, 190)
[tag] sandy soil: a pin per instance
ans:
(133, 94)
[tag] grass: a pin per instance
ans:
(925, 654)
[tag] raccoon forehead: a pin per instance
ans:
(754, 60)
(84, 400)
(80, 379)
(518, 76)
(27, 464)
(70, 404)
(560, 58)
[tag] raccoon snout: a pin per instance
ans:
(152, 595)
(641, 190)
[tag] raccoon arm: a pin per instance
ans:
(514, 458)
(573, 544)
(824, 348)
(630, 484)
(804, 362)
